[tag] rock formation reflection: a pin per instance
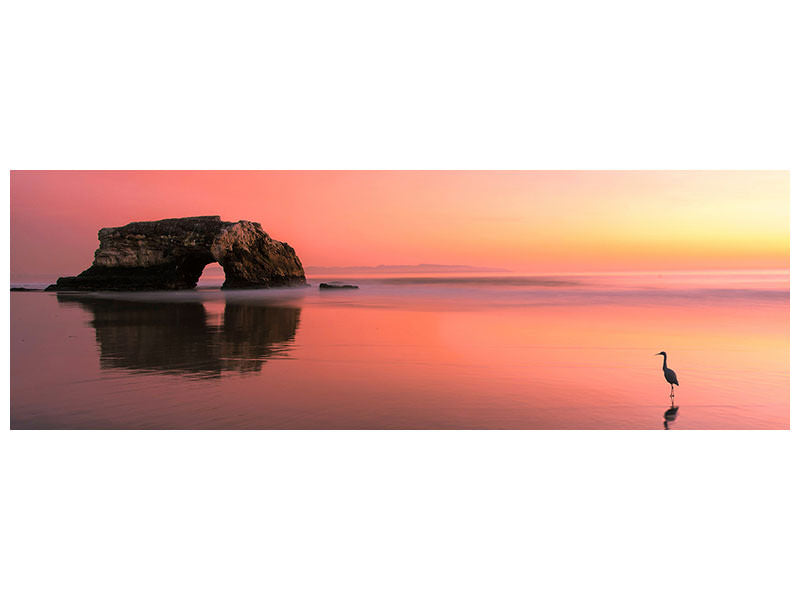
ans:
(182, 337)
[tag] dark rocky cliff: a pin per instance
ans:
(170, 255)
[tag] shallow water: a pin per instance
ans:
(461, 352)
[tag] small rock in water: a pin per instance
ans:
(335, 285)
(23, 289)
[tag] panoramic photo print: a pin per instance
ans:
(399, 300)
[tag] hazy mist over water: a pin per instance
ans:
(410, 351)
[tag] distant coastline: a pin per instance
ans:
(419, 268)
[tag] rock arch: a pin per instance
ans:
(171, 254)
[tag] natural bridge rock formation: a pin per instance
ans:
(170, 255)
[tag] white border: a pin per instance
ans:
(577, 85)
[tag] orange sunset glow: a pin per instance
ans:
(523, 221)
(425, 300)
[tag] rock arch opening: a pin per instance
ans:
(213, 276)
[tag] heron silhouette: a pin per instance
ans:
(669, 375)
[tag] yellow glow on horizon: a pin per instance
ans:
(521, 220)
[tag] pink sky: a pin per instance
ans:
(525, 221)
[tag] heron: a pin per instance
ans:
(669, 375)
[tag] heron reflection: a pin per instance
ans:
(181, 337)
(670, 415)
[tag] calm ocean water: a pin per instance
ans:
(410, 352)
